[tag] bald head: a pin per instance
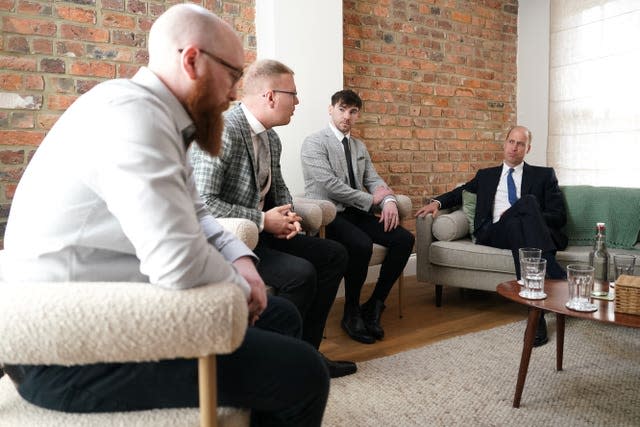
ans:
(189, 25)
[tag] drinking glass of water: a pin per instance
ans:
(527, 253)
(580, 279)
(533, 271)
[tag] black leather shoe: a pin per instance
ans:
(541, 332)
(371, 312)
(353, 325)
(339, 368)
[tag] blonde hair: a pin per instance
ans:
(261, 71)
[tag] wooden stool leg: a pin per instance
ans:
(400, 284)
(208, 388)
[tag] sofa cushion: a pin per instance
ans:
(451, 226)
(465, 254)
(469, 209)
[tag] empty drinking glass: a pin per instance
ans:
(533, 270)
(580, 280)
(527, 253)
(623, 264)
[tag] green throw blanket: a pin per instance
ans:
(618, 208)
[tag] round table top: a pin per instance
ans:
(558, 294)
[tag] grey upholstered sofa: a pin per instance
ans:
(446, 256)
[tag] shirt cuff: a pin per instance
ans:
(389, 198)
(261, 225)
(437, 201)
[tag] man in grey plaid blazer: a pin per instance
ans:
(337, 167)
(246, 181)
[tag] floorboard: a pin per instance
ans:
(462, 312)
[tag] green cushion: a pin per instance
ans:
(469, 209)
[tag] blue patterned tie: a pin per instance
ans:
(511, 187)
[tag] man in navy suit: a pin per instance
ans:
(518, 205)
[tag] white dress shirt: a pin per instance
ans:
(501, 201)
(109, 196)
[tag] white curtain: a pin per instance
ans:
(594, 92)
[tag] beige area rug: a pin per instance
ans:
(470, 381)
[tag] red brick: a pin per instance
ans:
(48, 65)
(118, 20)
(34, 8)
(69, 48)
(9, 192)
(33, 82)
(46, 121)
(7, 5)
(17, 63)
(12, 157)
(11, 82)
(59, 102)
(22, 119)
(93, 69)
(137, 7)
(76, 32)
(20, 137)
(76, 14)
(18, 44)
(42, 46)
(28, 26)
(113, 4)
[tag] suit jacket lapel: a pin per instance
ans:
(338, 149)
(527, 180)
(245, 132)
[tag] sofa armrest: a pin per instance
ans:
(244, 229)
(404, 206)
(311, 216)
(327, 207)
(90, 322)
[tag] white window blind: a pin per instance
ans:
(594, 92)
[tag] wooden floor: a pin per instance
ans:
(422, 322)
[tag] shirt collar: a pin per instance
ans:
(337, 133)
(254, 123)
(147, 79)
(516, 169)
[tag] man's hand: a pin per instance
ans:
(282, 222)
(390, 216)
(258, 295)
(432, 207)
(380, 193)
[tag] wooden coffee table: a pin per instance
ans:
(557, 295)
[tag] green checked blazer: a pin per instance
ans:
(228, 184)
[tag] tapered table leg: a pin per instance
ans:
(559, 340)
(527, 346)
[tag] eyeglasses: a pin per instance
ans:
(285, 91)
(236, 73)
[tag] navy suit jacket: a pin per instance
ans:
(536, 180)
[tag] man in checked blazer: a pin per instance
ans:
(337, 167)
(532, 217)
(246, 181)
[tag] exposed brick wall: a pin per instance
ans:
(438, 77)
(438, 81)
(52, 51)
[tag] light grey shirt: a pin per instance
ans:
(110, 196)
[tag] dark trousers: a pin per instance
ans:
(357, 231)
(306, 271)
(281, 378)
(522, 225)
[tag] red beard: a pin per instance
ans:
(207, 118)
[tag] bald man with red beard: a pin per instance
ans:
(121, 206)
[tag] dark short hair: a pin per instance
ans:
(346, 97)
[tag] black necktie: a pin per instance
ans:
(347, 153)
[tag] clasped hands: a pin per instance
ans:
(282, 222)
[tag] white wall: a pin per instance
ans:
(306, 36)
(533, 75)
